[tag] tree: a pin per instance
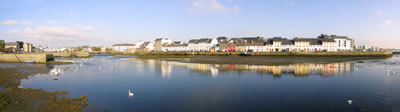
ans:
(95, 48)
(78, 48)
(66, 50)
(2, 45)
(108, 49)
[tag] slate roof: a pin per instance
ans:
(11, 44)
(328, 40)
(192, 41)
(176, 42)
(204, 40)
(160, 38)
(323, 36)
(222, 38)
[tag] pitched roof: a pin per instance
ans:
(160, 38)
(328, 40)
(192, 41)
(177, 42)
(11, 44)
(323, 36)
(222, 38)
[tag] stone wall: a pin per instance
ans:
(37, 57)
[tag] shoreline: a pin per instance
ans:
(270, 59)
(262, 60)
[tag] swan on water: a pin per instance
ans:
(129, 93)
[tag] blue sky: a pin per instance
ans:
(105, 22)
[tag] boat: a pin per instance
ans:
(29, 61)
(246, 54)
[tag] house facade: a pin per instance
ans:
(12, 47)
(27, 47)
(323, 43)
(202, 45)
(161, 42)
(124, 47)
(343, 43)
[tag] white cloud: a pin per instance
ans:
(64, 34)
(84, 27)
(52, 22)
(388, 22)
(13, 31)
(211, 6)
(10, 22)
(26, 22)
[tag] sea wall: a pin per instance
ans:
(79, 54)
(37, 57)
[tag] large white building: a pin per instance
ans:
(343, 43)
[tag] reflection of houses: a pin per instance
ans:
(166, 67)
(296, 69)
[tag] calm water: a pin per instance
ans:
(173, 86)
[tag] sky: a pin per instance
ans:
(58, 23)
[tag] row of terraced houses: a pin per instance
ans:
(323, 43)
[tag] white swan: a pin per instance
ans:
(129, 93)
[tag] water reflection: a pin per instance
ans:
(166, 67)
(227, 87)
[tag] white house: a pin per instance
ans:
(123, 47)
(204, 44)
